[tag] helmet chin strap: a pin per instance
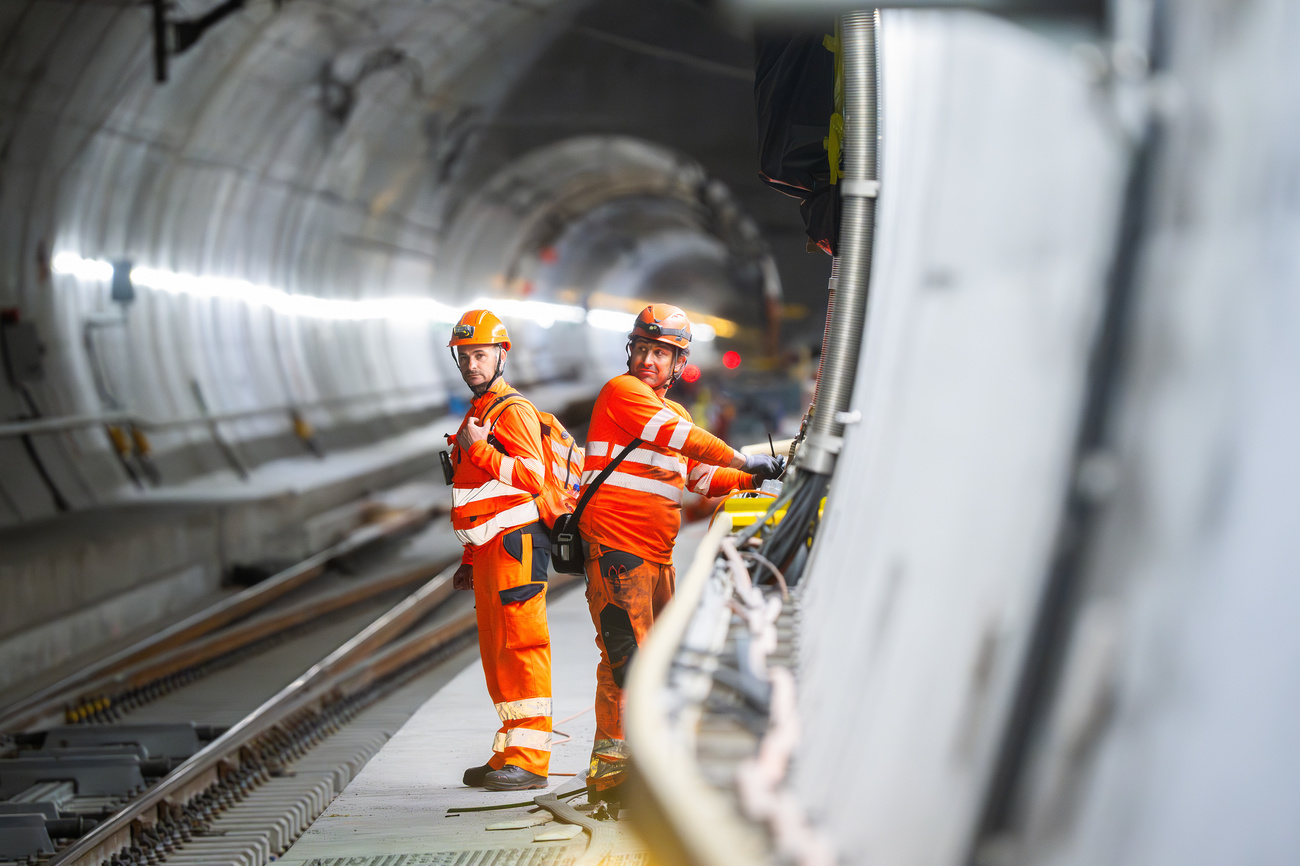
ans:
(677, 356)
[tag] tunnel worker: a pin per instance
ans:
(630, 523)
(497, 459)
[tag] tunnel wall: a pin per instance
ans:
(296, 205)
(1171, 736)
(999, 183)
(325, 152)
(243, 165)
(1165, 733)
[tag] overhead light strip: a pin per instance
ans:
(407, 309)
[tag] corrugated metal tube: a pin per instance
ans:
(858, 188)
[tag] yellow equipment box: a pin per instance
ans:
(750, 505)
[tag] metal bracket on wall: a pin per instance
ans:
(232, 456)
(175, 37)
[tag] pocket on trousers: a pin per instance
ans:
(525, 623)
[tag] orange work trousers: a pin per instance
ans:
(624, 594)
(515, 643)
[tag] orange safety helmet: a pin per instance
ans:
(663, 323)
(479, 328)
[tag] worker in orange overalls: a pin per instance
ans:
(498, 469)
(630, 523)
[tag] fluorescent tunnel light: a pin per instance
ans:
(407, 309)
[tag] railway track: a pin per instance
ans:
(200, 745)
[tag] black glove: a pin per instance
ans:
(763, 466)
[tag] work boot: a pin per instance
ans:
(612, 794)
(605, 802)
(474, 776)
(512, 778)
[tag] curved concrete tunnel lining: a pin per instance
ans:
(590, 221)
(220, 238)
(234, 170)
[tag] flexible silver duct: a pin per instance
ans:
(858, 188)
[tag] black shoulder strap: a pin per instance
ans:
(568, 460)
(604, 473)
(492, 439)
(498, 401)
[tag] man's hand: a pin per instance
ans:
(472, 432)
(463, 578)
(763, 466)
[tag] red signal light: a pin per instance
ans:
(690, 373)
(731, 360)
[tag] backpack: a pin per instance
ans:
(564, 469)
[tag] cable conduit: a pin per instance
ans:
(857, 231)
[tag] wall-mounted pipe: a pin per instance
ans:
(859, 189)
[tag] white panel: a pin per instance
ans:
(1175, 738)
(998, 183)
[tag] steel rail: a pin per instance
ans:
(214, 646)
(320, 683)
(31, 710)
(402, 652)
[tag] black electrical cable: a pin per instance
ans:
(787, 493)
(795, 530)
(796, 566)
(810, 507)
(501, 807)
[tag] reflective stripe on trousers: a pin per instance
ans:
(522, 738)
(525, 709)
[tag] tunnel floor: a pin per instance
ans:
(396, 810)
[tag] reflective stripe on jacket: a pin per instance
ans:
(492, 492)
(637, 509)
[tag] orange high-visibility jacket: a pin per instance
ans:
(638, 507)
(490, 491)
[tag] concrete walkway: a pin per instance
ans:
(397, 805)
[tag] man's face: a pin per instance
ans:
(652, 362)
(478, 364)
